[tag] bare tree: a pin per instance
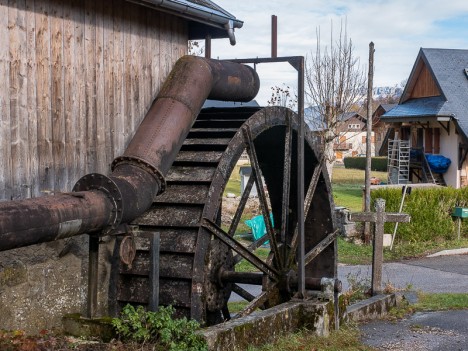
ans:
(334, 85)
(283, 96)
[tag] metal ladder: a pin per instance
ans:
(398, 161)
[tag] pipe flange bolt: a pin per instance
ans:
(96, 181)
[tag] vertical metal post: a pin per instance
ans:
(208, 46)
(93, 265)
(377, 254)
(300, 175)
(154, 272)
(274, 36)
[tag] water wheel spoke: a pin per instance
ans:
(252, 247)
(239, 248)
(307, 202)
(286, 183)
(257, 174)
(258, 302)
(243, 293)
(322, 245)
(240, 208)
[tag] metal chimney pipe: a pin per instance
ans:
(101, 203)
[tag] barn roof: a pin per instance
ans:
(205, 17)
(448, 69)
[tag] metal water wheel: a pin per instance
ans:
(198, 258)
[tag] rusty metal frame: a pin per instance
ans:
(298, 63)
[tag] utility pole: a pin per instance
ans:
(370, 79)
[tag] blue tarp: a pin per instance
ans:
(257, 224)
(438, 163)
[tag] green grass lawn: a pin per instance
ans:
(347, 185)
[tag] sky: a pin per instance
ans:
(398, 28)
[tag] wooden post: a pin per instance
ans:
(370, 79)
(93, 266)
(377, 252)
(379, 218)
(154, 272)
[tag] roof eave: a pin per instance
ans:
(197, 13)
(418, 118)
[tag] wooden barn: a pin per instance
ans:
(76, 79)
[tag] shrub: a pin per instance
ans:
(430, 210)
(377, 163)
(141, 326)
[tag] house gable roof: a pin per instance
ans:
(446, 69)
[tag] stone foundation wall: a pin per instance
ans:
(41, 283)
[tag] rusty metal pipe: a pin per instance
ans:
(103, 202)
(49, 218)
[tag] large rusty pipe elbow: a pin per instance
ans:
(167, 123)
(100, 201)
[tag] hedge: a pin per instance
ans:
(377, 163)
(430, 210)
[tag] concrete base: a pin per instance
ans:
(76, 325)
(266, 326)
(375, 307)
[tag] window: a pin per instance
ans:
(354, 126)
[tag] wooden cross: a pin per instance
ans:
(379, 217)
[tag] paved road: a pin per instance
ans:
(428, 331)
(434, 274)
(434, 331)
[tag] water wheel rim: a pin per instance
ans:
(259, 123)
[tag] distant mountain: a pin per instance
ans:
(386, 92)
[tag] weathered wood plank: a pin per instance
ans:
(90, 95)
(102, 126)
(127, 73)
(171, 216)
(18, 95)
(165, 47)
(154, 34)
(172, 292)
(190, 174)
(180, 193)
(57, 98)
(172, 240)
(109, 106)
(44, 118)
(79, 89)
(118, 81)
(31, 77)
(5, 136)
(171, 265)
(70, 100)
(135, 67)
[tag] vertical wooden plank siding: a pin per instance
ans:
(79, 89)
(90, 92)
(18, 94)
(31, 99)
(6, 178)
(76, 79)
(101, 126)
(118, 81)
(57, 97)
(154, 52)
(46, 172)
(70, 100)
